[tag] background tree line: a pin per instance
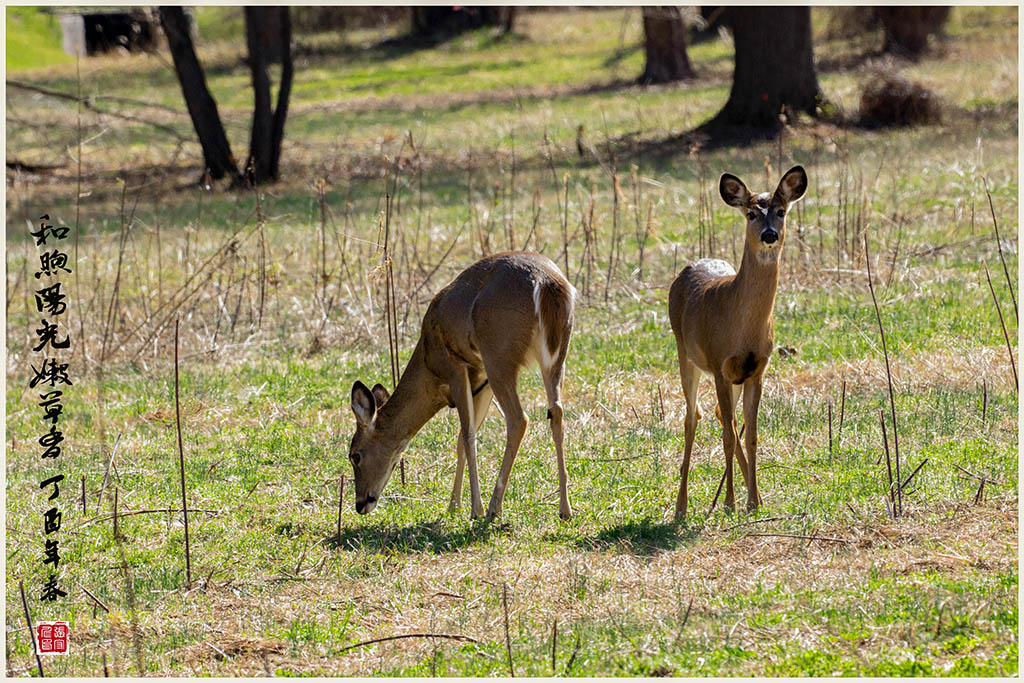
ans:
(774, 71)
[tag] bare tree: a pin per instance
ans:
(268, 34)
(442, 21)
(907, 27)
(665, 46)
(202, 108)
(774, 67)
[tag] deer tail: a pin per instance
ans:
(554, 301)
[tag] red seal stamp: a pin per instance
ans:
(52, 637)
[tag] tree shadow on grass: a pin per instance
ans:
(439, 536)
(642, 537)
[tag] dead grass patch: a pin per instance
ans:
(890, 99)
(461, 592)
(952, 368)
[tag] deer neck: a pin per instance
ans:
(755, 285)
(415, 400)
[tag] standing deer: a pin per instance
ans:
(722, 321)
(498, 315)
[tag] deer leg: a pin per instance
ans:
(504, 387)
(727, 412)
(737, 389)
(552, 385)
(456, 501)
(690, 377)
(462, 395)
(751, 401)
(481, 404)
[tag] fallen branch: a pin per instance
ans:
(808, 538)
(25, 167)
(448, 636)
(143, 512)
(94, 98)
(94, 598)
(622, 459)
(765, 519)
(977, 476)
(87, 102)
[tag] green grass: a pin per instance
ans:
(265, 404)
(33, 39)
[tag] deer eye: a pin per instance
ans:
(751, 215)
(780, 213)
(355, 458)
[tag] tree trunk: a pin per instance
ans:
(434, 20)
(284, 92)
(266, 26)
(907, 28)
(201, 106)
(715, 17)
(774, 67)
(665, 45)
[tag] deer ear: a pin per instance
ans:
(363, 403)
(793, 185)
(733, 191)
(380, 395)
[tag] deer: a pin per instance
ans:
(723, 324)
(504, 312)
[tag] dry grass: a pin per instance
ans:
(462, 593)
(266, 417)
(890, 99)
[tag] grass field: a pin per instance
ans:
(280, 298)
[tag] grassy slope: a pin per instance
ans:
(267, 422)
(33, 39)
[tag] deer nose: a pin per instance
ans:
(769, 236)
(365, 506)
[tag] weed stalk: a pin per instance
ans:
(341, 501)
(31, 629)
(508, 638)
(1006, 337)
(888, 376)
(181, 462)
(999, 245)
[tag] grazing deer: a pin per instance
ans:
(497, 316)
(722, 321)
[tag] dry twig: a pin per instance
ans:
(448, 636)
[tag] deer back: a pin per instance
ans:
(502, 306)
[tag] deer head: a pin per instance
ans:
(373, 458)
(765, 212)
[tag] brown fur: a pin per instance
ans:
(556, 311)
(477, 333)
(723, 324)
